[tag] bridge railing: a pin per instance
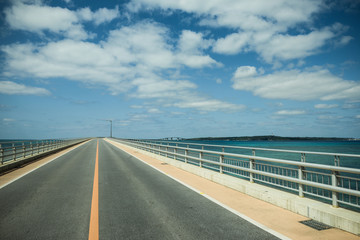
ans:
(16, 150)
(330, 183)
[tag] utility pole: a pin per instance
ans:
(110, 127)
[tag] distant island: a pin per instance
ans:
(272, 138)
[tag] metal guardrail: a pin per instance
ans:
(17, 150)
(332, 184)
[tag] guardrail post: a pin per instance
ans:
(303, 157)
(32, 149)
(2, 155)
(337, 161)
(221, 160)
(201, 154)
(23, 148)
(14, 151)
(186, 155)
(301, 177)
(167, 150)
(175, 150)
(335, 183)
(251, 167)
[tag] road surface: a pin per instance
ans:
(120, 196)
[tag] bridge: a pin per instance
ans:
(111, 189)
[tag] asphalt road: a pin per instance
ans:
(135, 202)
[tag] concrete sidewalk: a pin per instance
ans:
(272, 217)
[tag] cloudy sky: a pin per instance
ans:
(190, 68)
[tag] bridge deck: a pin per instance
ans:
(135, 202)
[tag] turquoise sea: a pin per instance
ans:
(343, 147)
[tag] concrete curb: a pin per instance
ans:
(18, 163)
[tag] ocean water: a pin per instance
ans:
(340, 147)
(8, 145)
(312, 174)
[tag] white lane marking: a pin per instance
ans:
(259, 225)
(37, 168)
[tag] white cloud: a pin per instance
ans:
(179, 94)
(102, 15)
(123, 63)
(136, 107)
(287, 47)
(8, 120)
(192, 42)
(85, 14)
(259, 26)
(129, 46)
(273, 46)
(8, 87)
(159, 88)
(154, 110)
(327, 117)
(345, 40)
(245, 72)
(36, 18)
(208, 105)
(239, 13)
(357, 116)
(191, 46)
(290, 112)
(325, 106)
(294, 84)
(39, 18)
(196, 61)
(119, 58)
(232, 44)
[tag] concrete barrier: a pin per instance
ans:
(336, 217)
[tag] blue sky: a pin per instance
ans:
(161, 68)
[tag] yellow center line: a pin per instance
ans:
(94, 217)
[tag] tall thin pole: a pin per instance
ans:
(110, 127)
